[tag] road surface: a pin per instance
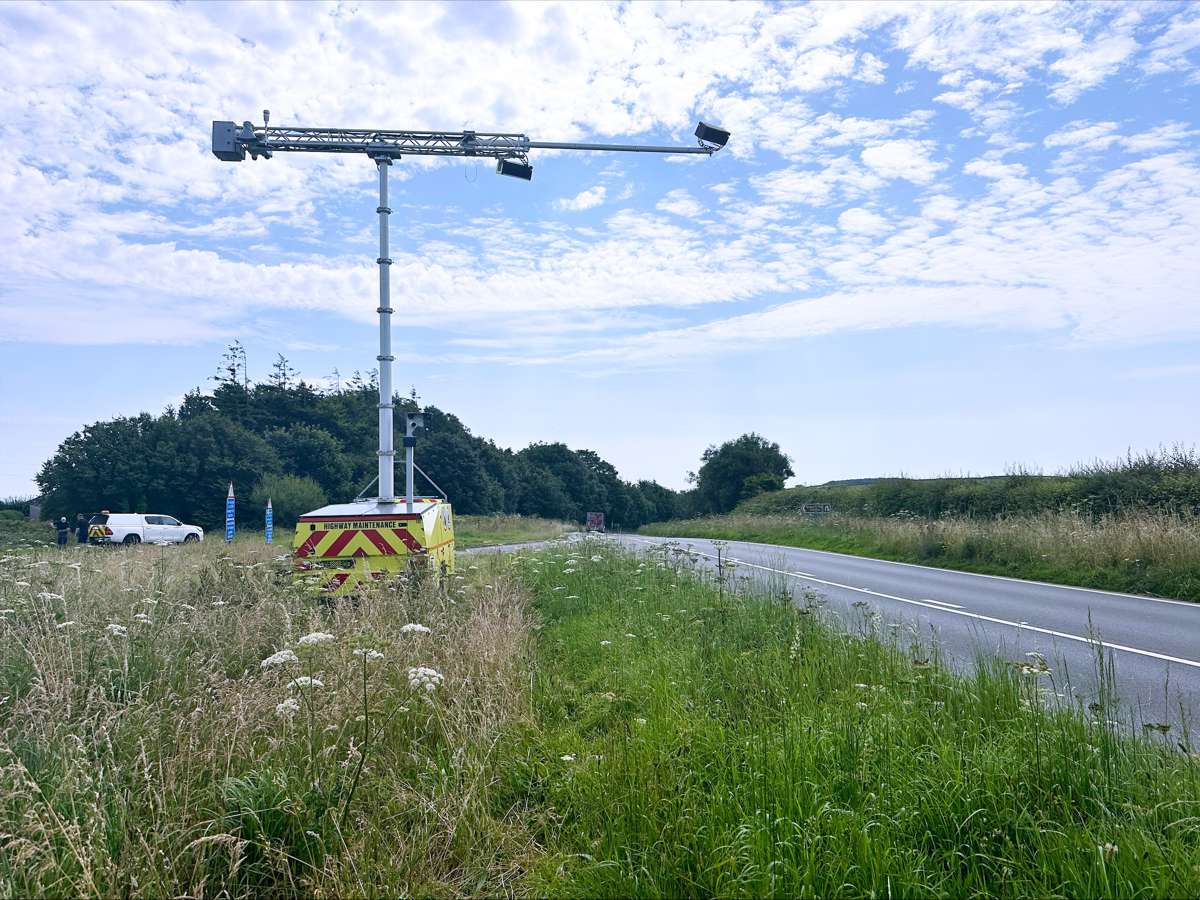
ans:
(1154, 644)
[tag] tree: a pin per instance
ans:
(290, 496)
(738, 470)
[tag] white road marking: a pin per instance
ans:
(892, 562)
(1022, 626)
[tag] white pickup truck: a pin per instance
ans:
(137, 528)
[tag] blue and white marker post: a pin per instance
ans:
(270, 521)
(229, 502)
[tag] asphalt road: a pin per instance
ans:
(1154, 644)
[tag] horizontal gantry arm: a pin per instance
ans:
(231, 142)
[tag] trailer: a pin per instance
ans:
(349, 545)
(595, 522)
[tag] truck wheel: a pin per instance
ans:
(131, 539)
(191, 539)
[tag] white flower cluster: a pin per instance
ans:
(305, 681)
(423, 678)
(288, 707)
(369, 655)
(143, 618)
(283, 657)
(413, 628)
(312, 640)
(115, 630)
(46, 595)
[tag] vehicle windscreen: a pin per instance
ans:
(98, 519)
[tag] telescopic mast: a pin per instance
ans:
(231, 142)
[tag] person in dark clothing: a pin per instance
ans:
(81, 529)
(64, 531)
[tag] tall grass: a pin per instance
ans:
(1144, 552)
(698, 741)
(145, 747)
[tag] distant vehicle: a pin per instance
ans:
(138, 528)
(595, 521)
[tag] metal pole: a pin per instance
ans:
(387, 453)
(410, 442)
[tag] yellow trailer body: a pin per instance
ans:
(355, 543)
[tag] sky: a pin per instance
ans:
(943, 238)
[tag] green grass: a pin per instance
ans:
(1142, 553)
(606, 725)
(695, 743)
(486, 531)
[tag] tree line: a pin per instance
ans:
(303, 446)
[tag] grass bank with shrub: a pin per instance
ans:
(694, 742)
(1141, 553)
(1165, 480)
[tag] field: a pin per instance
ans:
(1146, 553)
(576, 721)
(485, 531)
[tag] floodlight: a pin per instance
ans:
(712, 135)
(225, 145)
(514, 169)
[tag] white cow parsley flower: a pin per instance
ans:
(305, 681)
(288, 707)
(413, 628)
(278, 659)
(369, 655)
(115, 630)
(312, 640)
(423, 678)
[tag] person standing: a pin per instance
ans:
(81, 529)
(63, 529)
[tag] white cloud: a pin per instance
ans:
(907, 159)
(862, 221)
(588, 199)
(681, 203)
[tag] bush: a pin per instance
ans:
(290, 497)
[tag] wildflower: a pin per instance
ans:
(278, 659)
(568, 571)
(288, 707)
(61, 625)
(218, 603)
(597, 558)
(630, 634)
(423, 678)
(413, 628)
(369, 655)
(605, 643)
(143, 618)
(21, 583)
(115, 630)
(1109, 850)
(305, 681)
(46, 595)
(568, 757)
(312, 640)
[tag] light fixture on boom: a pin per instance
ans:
(514, 168)
(711, 136)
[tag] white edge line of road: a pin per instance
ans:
(893, 562)
(1021, 626)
